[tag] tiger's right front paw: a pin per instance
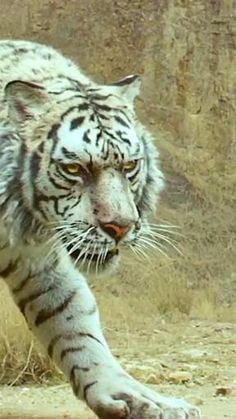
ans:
(125, 398)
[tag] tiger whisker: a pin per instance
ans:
(91, 257)
(172, 229)
(98, 260)
(133, 249)
(82, 238)
(161, 236)
(76, 246)
(163, 225)
(149, 242)
(56, 245)
(162, 230)
(70, 243)
(60, 241)
(164, 239)
(104, 254)
(155, 245)
(139, 248)
(141, 254)
(82, 253)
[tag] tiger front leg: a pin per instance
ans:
(61, 311)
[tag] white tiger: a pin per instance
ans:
(78, 176)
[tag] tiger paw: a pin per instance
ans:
(125, 398)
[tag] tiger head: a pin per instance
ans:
(89, 171)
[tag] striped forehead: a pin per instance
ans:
(80, 137)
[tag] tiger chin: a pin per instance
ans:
(79, 175)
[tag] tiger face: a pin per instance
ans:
(92, 170)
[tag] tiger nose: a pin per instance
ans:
(116, 231)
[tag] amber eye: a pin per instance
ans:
(129, 166)
(73, 169)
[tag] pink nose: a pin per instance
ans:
(116, 231)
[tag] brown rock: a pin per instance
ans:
(179, 377)
(223, 391)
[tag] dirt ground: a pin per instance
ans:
(195, 360)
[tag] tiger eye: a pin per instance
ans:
(130, 165)
(73, 168)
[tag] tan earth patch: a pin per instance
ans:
(190, 360)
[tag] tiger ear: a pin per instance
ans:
(25, 100)
(129, 87)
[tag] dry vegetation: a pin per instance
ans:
(186, 52)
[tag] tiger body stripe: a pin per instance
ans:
(74, 159)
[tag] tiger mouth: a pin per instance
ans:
(94, 257)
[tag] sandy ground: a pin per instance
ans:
(194, 360)
(58, 402)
